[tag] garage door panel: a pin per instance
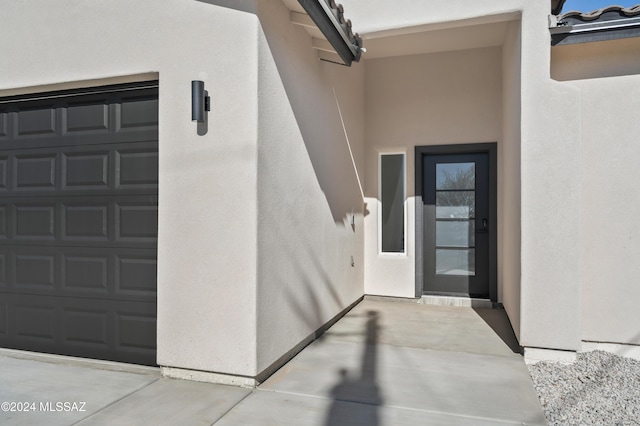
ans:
(88, 274)
(78, 223)
(79, 139)
(34, 221)
(4, 319)
(116, 330)
(135, 113)
(4, 164)
(34, 172)
(85, 118)
(85, 328)
(34, 271)
(4, 125)
(136, 168)
(130, 326)
(65, 124)
(116, 169)
(103, 221)
(93, 273)
(35, 322)
(3, 269)
(136, 221)
(87, 221)
(85, 170)
(136, 274)
(36, 122)
(3, 221)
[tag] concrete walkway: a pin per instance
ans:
(384, 363)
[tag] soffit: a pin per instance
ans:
(436, 40)
(294, 6)
(432, 38)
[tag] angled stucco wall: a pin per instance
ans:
(308, 187)
(207, 189)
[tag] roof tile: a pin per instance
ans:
(604, 14)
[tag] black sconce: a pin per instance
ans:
(199, 101)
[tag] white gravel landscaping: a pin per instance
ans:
(598, 389)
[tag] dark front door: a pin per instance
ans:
(458, 224)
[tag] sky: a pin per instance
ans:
(591, 5)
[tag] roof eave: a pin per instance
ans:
(594, 31)
(335, 28)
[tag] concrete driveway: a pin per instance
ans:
(387, 362)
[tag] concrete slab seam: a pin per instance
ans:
(417, 410)
(232, 407)
(112, 403)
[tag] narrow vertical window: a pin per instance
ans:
(392, 201)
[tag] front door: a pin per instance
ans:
(458, 224)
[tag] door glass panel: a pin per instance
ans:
(456, 262)
(455, 204)
(455, 176)
(455, 233)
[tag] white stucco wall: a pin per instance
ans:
(207, 189)
(430, 99)
(308, 186)
(596, 60)
(611, 236)
(607, 74)
(550, 195)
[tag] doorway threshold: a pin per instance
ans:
(466, 302)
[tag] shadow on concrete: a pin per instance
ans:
(356, 400)
(499, 322)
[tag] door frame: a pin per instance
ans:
(490, 148)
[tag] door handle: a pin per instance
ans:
(484, 229)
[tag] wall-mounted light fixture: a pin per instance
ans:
(199, 101)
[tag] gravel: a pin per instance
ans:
(598, 389)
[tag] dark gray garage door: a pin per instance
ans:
(78, 222)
